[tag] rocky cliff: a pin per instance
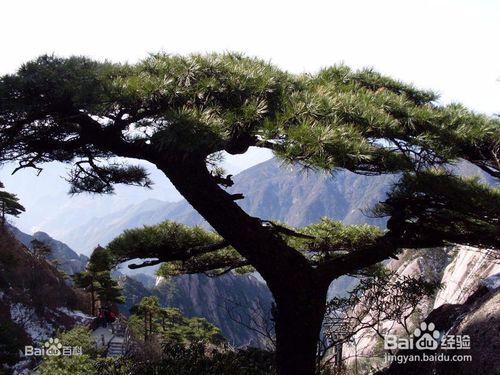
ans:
(238, 305)
(477, 318)
(67, 260)
(35, 300)
(463, 272)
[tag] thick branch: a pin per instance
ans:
(265, 250)
(146, 263)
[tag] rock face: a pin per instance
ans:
(231, 302)
(35, 300)
(463, 304)
(479, 318)
(462, 275)
(223, 301)
(68, 261)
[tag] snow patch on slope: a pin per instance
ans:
(38, 329)
(78, 316)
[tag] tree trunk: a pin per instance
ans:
(298, 325)
(300, 295)
(92, 298)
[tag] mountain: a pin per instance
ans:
(35, 300)
(272, 191)
(195, 295)
(68, 260)
(467, 275)
(231, 302)
(477, 318)
(49, 204)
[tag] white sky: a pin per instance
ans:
(449, 46)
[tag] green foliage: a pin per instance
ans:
(434, 206)
(79, 336)
(159, 239)
(189, 348)
(9, 204)
(97, 280)
(211, 263)
(177, 111)
(170, 325)
(108, 290)
(183, 249)
(330, 238)
(203, 104)
(76, 364)
(63, 365)
(365, 122)
(195, 359)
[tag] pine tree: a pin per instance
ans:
(147, 309)
(9, 205)
(40, 249)
(171, 325)
(109, 292)
(180, 113)
(97, 280)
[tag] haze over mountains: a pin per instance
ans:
(49, 208)
(271, 190)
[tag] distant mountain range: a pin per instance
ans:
(68, 260)
(272, 191)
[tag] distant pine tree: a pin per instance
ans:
(9, 205)
(40, 249)
(97, 280)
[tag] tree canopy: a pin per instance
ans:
(9, 205)
(66, 108)
(96, 279)
(181, 112)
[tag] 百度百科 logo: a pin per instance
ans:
(53, 348)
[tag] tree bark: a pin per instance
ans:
(298, 325)
(299, 293)
(262, 247)
(92, 298)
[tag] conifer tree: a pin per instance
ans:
(40, 249)
(9, 205)
(171, 325)
(109, 292)
(96, 279)
(180, 113)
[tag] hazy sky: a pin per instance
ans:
(450, 46)
(447, 45)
